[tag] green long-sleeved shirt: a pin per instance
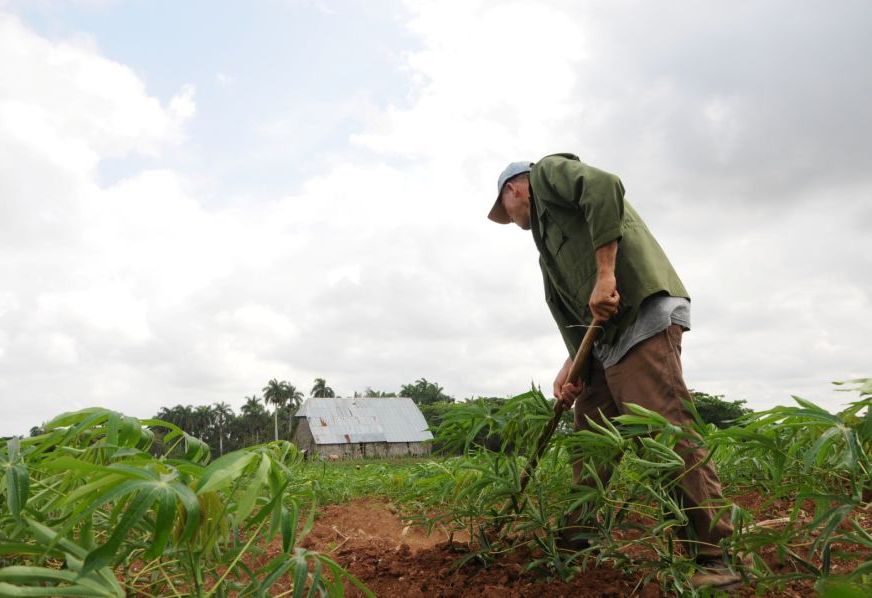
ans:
(576, 209)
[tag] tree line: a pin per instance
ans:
(225, 430)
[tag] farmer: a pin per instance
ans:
(599, 260)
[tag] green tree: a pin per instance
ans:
(276, 393)
(715, 410)
(223, 415)
(295, 398)
(424, 393)
(180, 415)
(254, 418)
(320, 389)
(369, 393)
(203, 421)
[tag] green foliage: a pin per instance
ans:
(713, 409)
(284, 396)
(370, 393)
(424, 393)
(101, 504)
(434, 413)
(320, 389)
(223, 430)
(88, 495)
(801, 453)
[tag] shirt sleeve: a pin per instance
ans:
(599, 195)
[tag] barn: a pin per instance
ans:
(361, 427)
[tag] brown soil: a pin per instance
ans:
(393, 559)
(367, 537)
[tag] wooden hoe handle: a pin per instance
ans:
(578, 371)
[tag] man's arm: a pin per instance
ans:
(604, 299)
(603, 304)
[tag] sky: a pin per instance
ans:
(197, 197)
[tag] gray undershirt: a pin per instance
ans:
(655, 316)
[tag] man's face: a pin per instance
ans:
(516, 201)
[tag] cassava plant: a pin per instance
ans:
(804, 454)
(91, 512)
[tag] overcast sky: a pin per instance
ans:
(197, 197)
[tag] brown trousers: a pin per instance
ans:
(650, 375)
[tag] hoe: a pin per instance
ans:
(578, 371)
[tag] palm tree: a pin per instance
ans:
(275, 392)
(295, 397)
(251, 407)
(252, 414)
(203, 420)
(183, 417)
(223, 413)
(321, 389)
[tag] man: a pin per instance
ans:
(600, 261)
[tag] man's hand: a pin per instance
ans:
(563, 390)
(604, 299)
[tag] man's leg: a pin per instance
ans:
(650, 375)
(594, 399)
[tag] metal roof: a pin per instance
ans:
(340, 420)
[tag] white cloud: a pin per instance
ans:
(225, 80)
(85, 97)
(381, 267)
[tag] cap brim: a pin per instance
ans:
(498, 213)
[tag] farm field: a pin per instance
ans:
(102, 504)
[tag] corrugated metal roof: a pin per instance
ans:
(340, 420)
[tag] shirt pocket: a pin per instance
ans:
(553, 236)
(576, 259)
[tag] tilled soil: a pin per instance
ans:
(393, 559)
(368, 538)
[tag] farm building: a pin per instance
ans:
(353, 428)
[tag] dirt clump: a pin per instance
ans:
(369, 539)
(395, 559)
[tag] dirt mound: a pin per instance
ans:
(367, 537)
(394, 559)
(363, 522)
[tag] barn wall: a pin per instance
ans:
(303, 438)
(408, 449)
(370, 450)
(353, 450)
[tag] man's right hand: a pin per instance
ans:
(566, 392)
(605, 300)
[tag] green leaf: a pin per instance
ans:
(47, 536)
(130, 431)
(287, 530)
(104, 578)
(22, 548)
(223, 471)
(196, 450)
(73, 590)
(301, 573)
(104, 555)
(255, 486)
(163, 523)
(17, 488)
(192, 510)
(835, 587)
